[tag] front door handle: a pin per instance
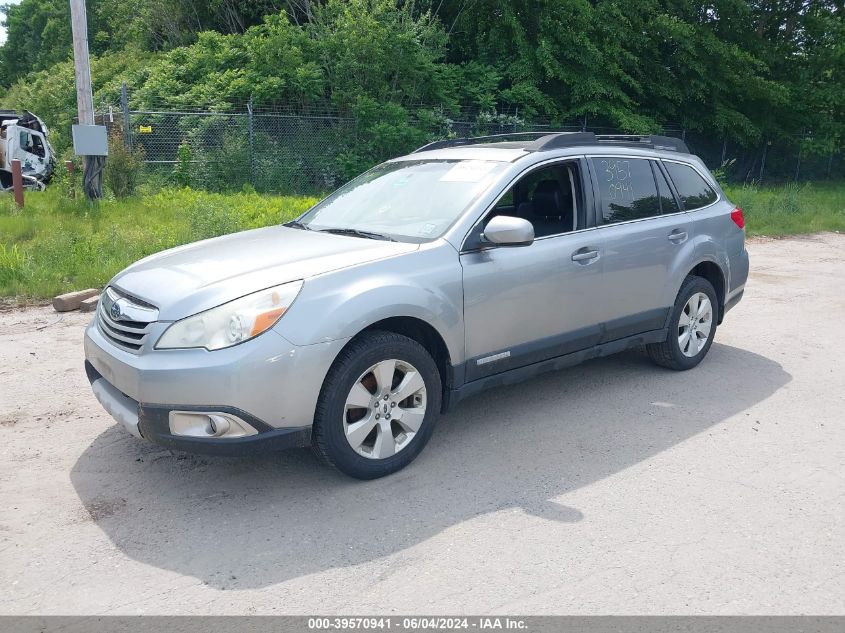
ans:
(678, 236)
(584, 255)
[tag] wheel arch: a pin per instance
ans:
(426, 335)
(711, 271)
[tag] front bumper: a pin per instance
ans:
(152, 423)
(268, 382)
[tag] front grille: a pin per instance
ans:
(130, 328)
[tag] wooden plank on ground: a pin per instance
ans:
(89, 304)
(71, 300)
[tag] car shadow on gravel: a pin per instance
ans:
(238, 523)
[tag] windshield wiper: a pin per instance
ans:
(296, 224)
(358, 233)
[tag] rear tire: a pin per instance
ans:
(692, 326)
(378, 405)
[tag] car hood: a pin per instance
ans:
(195, 277)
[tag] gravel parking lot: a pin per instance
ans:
(612, 487)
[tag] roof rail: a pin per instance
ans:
(556, 140)
(491, 138)
(645, 140)
(570, 139)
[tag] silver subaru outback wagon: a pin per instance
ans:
(467, 264)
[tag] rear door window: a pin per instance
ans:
(691, 187)
(626, 189)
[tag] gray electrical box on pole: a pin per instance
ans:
(93, 164)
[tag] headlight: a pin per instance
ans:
(233, 322)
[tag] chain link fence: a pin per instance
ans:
(310, 151)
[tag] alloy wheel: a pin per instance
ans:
(384, 409)
(694, 325)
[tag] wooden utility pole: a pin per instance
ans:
(93, 165)
(17, 182)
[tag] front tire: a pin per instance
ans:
(692, 326)
(378, 405)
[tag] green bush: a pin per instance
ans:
(123, 167)
(184, 160)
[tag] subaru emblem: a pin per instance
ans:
(115, 310)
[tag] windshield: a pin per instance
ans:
(405, 200)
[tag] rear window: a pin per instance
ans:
(692, 188)
(626, 189)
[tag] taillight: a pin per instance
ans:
(737, 217)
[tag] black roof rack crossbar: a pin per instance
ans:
(556, 140)
(490, 138)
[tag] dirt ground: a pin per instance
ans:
(612, 487)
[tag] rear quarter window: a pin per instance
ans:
(691, 187)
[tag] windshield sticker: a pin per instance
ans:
(429, 228)
(469, 171)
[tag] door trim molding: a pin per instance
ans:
(520, 374)
(537, 351)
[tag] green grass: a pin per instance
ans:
(55, 244)
(790, 209)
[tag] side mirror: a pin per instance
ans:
(506, 230)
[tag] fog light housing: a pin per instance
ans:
(210, 424)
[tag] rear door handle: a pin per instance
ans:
(584, 255)
(678, 236)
